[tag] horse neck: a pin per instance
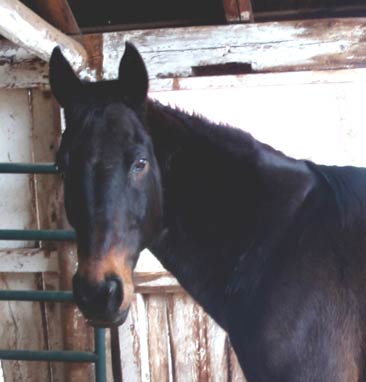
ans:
(225, 195)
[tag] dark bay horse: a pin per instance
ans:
(273, 248)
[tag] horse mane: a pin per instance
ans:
(250, 196)
(195, 126)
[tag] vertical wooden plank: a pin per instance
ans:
(53, 316)
(18, 210)
(77, 335)
(21, 329)
(237, 11)
(231, 11)
(183, 326)
(17, 199)
(246, 11)
(45, 136)
(129, 343)
(236, 373)
(134, 343)
(159, 339)
(139, 315)
(217, 352)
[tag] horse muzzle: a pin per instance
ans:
(100, 302)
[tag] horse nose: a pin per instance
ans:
(98, 301)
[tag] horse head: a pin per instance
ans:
(111, 182)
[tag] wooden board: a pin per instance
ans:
(168, 338)
(17, 201)
(262, 47)
(21, 328)
(28, 260)
(159, 339)
(182, 52)
(45, 137)
(25, 28)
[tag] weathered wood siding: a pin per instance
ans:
(181, 52)
(27, 135)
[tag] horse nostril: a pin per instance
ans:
(98, 300)
(112, 287)
(114, 292)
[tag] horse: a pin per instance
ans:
(273, 248)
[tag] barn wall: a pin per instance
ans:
(27, 135)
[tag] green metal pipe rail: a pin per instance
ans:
(98, 357)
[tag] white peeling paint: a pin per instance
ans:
(25, 28)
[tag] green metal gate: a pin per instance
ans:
(98, 357)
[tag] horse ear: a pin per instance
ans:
(63, 80)
(133, 76)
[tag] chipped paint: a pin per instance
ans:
(25, 28)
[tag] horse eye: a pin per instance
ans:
(140, 165)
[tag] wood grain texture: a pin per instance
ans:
(287, 46)
(134, 343)
(45, 136)
(45, 140)
(28, 260)
(236, 374)
(184, 338)
(25, 28)
(17, 196)
(174, 53)
(21, 328)
(77, 335)
(159, 339)
(217, 351)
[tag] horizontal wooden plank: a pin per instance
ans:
(19, 68)
(28, 260)
(160, 285)
(179, 52)
(300, 45)
(149, 276)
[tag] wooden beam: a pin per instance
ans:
(268, 47)
(59, 14)
(174, 54)
(23, 27)
(238, 11)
